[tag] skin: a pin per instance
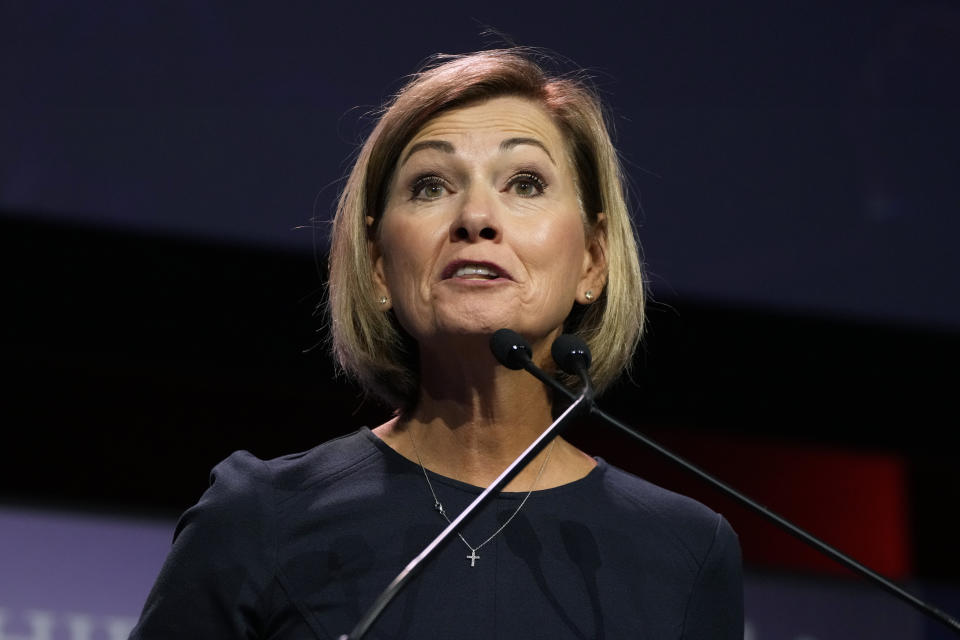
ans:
(491, 185)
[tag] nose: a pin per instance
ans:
(477, 218)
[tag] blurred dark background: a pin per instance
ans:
(793, 172)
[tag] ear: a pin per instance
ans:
(593, 276)
(376, 261)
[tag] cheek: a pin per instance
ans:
(405, 253)
(399, 272)
(560, 248)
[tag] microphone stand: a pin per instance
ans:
(745, 500)
(580, 404)
(516, 355)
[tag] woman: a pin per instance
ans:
(487, 196)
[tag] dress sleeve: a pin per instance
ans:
(715, 609)
(215, 579)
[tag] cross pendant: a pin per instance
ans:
(473, 557)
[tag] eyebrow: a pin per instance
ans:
(510, 143)
(446, 147)
(439, 145)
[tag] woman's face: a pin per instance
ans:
(482, 227)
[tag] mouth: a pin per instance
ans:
(465, 270)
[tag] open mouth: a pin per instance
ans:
(463, 270)
(476, 272)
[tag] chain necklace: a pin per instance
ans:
(438, 506)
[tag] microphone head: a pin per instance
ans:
(510, 349)
(567, 351)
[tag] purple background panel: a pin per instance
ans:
(65, 575)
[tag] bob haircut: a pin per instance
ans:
(368, 343)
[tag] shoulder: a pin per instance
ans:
(326, 462)
(673, 518)
(682, 532)
(245, 487)
(222, 573)
(633, 492)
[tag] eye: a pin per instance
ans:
(527, 185)
(428, 188)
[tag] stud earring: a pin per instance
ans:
(588, 295)
(383, 300)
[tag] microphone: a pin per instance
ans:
(510, 349)
(571, 354)
(513, 351)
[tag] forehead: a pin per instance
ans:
(504, 117)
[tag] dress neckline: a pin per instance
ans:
(393, 456)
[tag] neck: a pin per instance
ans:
(474, 417)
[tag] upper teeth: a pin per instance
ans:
(475, 270)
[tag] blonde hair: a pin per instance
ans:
(368, 344)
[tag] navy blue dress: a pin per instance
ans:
(300, 546)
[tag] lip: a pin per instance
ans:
(452, 268)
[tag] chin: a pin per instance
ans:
(475, 317)
(474, 327)
(482, 320)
